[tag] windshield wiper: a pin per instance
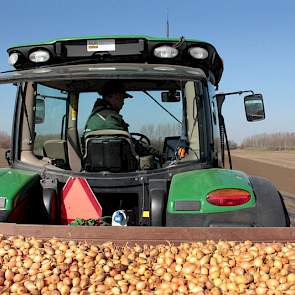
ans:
(150, 96)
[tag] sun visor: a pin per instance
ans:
(103, 71)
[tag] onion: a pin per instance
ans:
(9, 275)
(272, 284)
(261, 290)
(291, 278)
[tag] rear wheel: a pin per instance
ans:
(270, 207)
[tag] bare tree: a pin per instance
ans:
(158, 132)
(274, 141)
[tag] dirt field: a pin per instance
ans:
(262, 164)
(280, 169)
(284, 159)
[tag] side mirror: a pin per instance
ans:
(254, 107)
(170, 96)
(40, 111)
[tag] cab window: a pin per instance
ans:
(50, 116)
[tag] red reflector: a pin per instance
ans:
(228, 197)
(79, 201)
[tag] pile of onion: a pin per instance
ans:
(33, 266)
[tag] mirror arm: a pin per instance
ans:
(223, 135)
(235, 92)
(228, 149)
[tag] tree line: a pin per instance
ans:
(271, 141)
(157, 132)
(4, 140)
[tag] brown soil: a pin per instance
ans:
(284, 159)
(283, 178)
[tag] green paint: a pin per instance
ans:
(13, 182)
(92, 37)
(196, 185)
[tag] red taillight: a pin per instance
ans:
(228, 197)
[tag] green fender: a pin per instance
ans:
(13, 182)
(196, 185)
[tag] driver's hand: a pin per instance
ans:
(140, 149)
(146, 150)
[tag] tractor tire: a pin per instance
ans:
(270, 208)
(157, 207)
(50, 205)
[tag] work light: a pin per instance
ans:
(198, 52)
(13, 58)
(39, 55)
(165, 51)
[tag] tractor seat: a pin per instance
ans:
(109, 150)
(56, 149)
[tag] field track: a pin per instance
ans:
(283, 178)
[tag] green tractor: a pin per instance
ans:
(58, 173)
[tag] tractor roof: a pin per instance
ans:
(120, 49)
(95, 37)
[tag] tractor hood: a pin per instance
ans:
(13, 183)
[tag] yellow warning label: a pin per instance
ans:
(146, 214)
(74, 115)
(74, 107)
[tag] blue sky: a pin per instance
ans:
(254, 38)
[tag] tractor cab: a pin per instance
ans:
(173, 112)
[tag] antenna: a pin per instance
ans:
(167, 24)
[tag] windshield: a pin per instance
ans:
(143, 120)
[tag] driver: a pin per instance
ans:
(105, 115)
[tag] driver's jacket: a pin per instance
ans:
(104, 117)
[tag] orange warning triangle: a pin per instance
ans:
(79, 201)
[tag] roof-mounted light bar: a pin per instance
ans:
(13, 58)
(39, 56)
(162, 51)
(198, 52)
(165, 52)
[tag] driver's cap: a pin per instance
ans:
(112, 87)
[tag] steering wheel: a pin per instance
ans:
(141, 137)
